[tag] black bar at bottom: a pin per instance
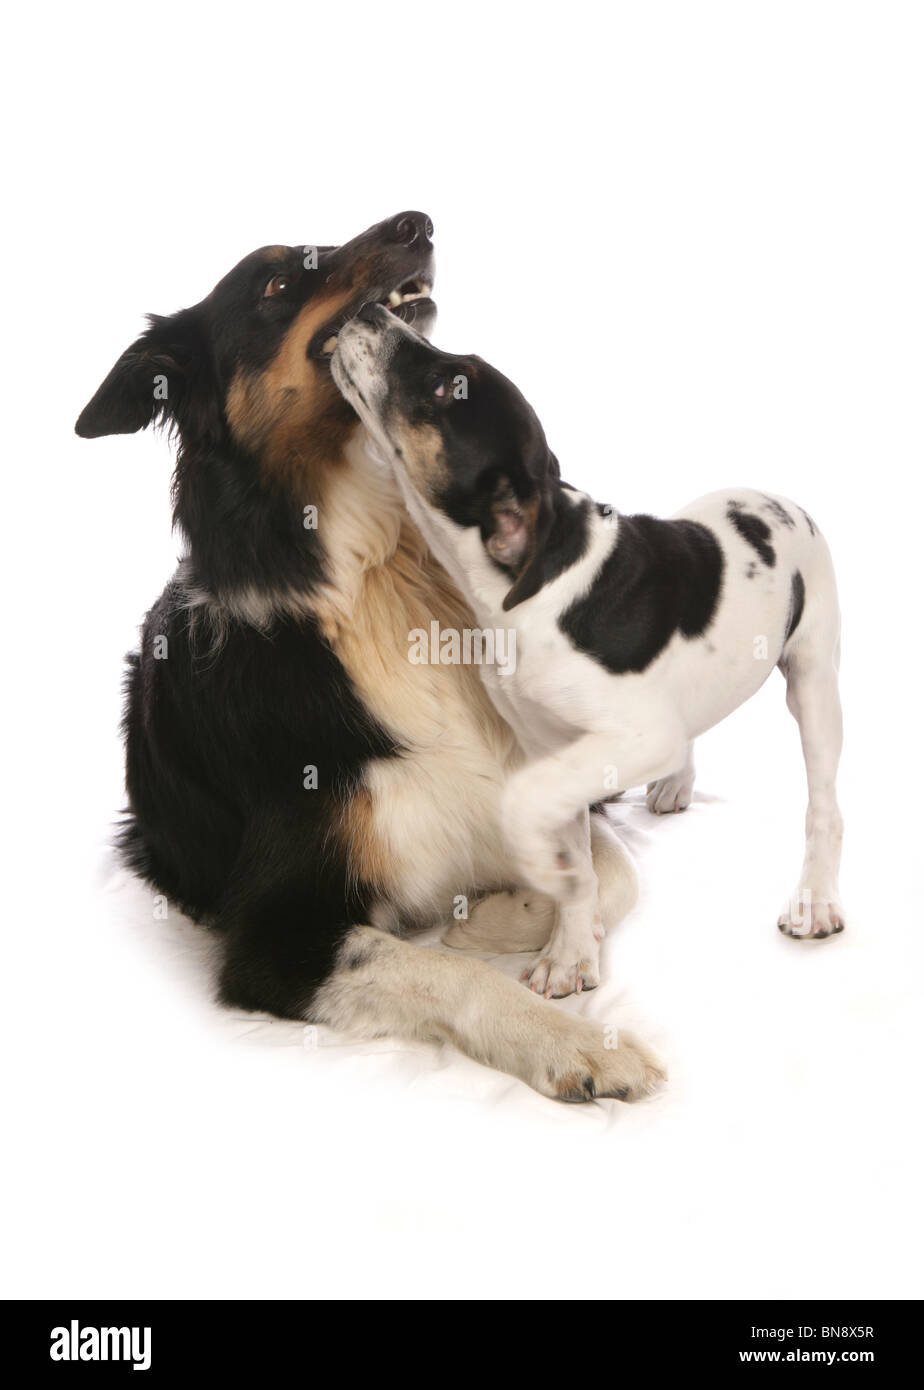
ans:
(255, 1338)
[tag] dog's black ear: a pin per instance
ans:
(148, 382)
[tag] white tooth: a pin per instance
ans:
(329, 346)
(425, 289)
(394, 299)
(423, 293)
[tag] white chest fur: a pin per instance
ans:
(436, 805)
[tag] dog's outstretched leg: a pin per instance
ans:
(384, 986)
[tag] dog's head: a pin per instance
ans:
(461, 434)
(248, 368)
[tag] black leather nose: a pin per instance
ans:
(412, 227)
(369, 312)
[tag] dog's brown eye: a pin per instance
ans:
(276, 286)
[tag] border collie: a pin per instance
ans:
(294, 779)
(633, 635)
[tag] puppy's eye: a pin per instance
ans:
(277, 285)
(439, 389)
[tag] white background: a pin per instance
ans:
(693, 235)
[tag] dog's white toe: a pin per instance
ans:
(592, 1061)
(810, 919)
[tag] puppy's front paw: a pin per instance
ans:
(669, 794)
(592, 1061)
(556, 977)
(811, 919)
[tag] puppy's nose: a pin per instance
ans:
(412, 227)
(370, 312)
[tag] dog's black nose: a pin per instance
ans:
(412, 227)
(370, 312)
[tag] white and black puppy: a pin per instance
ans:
(633, 635)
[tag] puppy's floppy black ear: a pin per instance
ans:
(529, 580)
(520, 530)
(512, 524)
(149, 380)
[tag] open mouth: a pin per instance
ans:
(402, 301)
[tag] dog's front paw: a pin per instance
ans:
(811, 918)
(554, 977)
(591, 1061)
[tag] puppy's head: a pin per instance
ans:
(462, 435)
(249, 366)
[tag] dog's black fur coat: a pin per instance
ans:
(223, 715)
(217, 744)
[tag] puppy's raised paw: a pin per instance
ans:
(545, 864)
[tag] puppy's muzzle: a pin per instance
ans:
(367, 339)
(364, 347)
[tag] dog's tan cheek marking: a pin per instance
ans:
(246, 408)
(291, 412)
(420, 448)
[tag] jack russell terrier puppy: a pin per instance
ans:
(633, 635)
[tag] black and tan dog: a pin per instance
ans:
(293, 778)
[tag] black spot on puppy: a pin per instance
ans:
(779, 512)
(809, 521)
(661, 577)
(753, 530)
(796, 604)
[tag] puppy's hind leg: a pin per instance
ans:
(812, 695)
(675, 792)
